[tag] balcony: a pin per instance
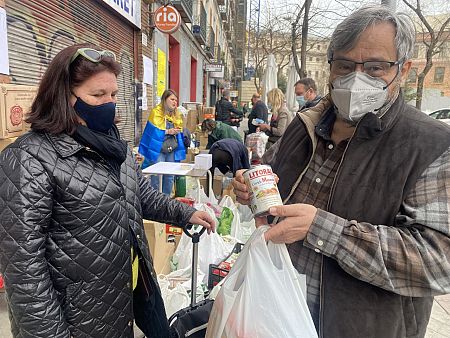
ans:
(199, 27)
(209, 49)
(185, 8)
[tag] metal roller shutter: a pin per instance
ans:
(39, 29)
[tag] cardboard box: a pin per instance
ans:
(192, 121)
(160, 249)
(207, 113)
(15, 103)
(230, 192)
(217, 185)
(203, 138)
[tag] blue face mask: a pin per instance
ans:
(301, 100)
(99, 118)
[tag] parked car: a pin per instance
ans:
(441, 115)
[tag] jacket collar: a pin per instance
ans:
(64, 144)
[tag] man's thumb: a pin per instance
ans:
(276, 211)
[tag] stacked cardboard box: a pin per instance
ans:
(192, 120)
(208, 113)
(203, 138)
(160, 248)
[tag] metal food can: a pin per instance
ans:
(263, 189)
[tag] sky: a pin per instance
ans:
(326, 14)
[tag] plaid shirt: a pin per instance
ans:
(405, 261)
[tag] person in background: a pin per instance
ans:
(226, 112)
(281, 117)
(306, 93)
(366, 182)
(73, 249)
(229, 155)
(217, 131)
(259, 111)
(244, 108)
(162, 139)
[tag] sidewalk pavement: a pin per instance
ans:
(439, 326)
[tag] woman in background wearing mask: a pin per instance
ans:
(73, 250)
(162, 140)
(280, 117)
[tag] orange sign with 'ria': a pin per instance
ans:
(167, 19)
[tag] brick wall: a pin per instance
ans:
(429, 83)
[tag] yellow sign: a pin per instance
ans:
(161, 77)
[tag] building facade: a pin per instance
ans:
(38, 29)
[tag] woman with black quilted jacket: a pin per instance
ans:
(73, 250)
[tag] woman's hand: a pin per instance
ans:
(173, 131)
(297, 219)
(264, 126)
(204, 219)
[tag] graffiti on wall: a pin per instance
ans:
(38, 30)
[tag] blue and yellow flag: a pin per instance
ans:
(154, 132)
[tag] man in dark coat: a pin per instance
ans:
(364, 179)
(225, 112)
(259, 111)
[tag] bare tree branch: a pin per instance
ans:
(433, 43)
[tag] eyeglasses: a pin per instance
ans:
(372, 68)
(93, 55)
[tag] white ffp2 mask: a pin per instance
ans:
(357, 94)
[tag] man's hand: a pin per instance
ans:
(240, 188)
(202, 218)
(297, 219)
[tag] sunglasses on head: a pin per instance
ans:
(93, 55)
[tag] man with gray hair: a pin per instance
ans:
(225, 112)
(365, 182)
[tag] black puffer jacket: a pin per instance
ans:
(65, 228)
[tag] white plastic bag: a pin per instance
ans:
(174, 299)
(257, 143)
(195, 190)
(246, 226)
(211, 249)
(261, 297)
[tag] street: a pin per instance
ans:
(439, 326)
